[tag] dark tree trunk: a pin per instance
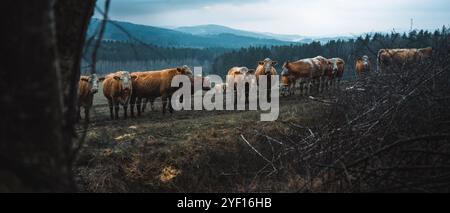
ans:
(37, 90)
(72, 20)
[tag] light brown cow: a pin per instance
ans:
(237, 74)
(325, 67)
(308, 69)
(265, 67)
(155, 84)
(400, 57)
(240, 76)
(87, 87)
(117, 88)
(363, 65)
(338, 68)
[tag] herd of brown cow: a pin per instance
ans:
(137, 88)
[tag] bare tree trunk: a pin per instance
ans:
(72, 20)
(37, 93)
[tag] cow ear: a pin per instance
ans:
(85, 79)
(261, 62)
(274, 63)
(101, 79)
(117, 78)
(180, 70)
(134, 77)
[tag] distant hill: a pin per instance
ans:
(218, 29)
(205, 30)
(175, 38)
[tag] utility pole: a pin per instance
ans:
(411, 26)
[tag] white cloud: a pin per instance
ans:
(316, 17)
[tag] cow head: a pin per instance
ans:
(365, 60)
(125, 79)
(251, 72)
(93, 82)
(425, 53)
(285, 71)
(334, 66)
(185, 70)
(267, 64)
(243, 70)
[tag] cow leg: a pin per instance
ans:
(144, 105)
(138, 106)
(125, 110)
(116, 108)
(302, 89)
(309, 87)
(170, 105)
(152, 102)
(320, 84)
(132, 103)
(164, 104)
(86, 114)
(111, 112)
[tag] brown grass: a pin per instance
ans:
(193, 151)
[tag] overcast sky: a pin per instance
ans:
(311, 18)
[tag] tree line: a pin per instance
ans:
(349, 50)
(138, 56)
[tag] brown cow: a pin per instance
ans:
(155, 84)
(88, 86)
(118, 88)
(307, 69)
(206, 85)
(338, 68)
(325, 67)
(266, 68)
(400, 57)
(362, 65)
(237, 74)
(287, 85)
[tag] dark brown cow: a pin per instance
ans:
(155, 84)
(287, 85)
(400, 57)
(87, 87)
(363, 65)
(118, 88)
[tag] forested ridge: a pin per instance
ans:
(133, 56)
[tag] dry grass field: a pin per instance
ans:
(191, 151)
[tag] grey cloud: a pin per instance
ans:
(144, 7)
